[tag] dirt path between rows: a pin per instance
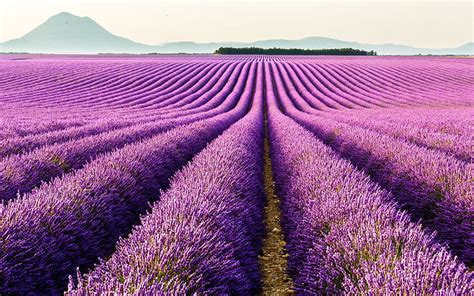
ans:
(275, 280)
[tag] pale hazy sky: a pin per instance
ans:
(435, 24)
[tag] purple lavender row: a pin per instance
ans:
(406, 87)
(96, 76)
(423, 78)
(208, 81)
(431, 185)
(74, 220)
(82, 82)
(326, 90)
(36, 74)
(169, 80)
(44, 77)
(358, 65)
(330, 87)
(124, 81)
(314, 85)
(344, 235)
(204, 236)
(45, 98)
(169, 83)
(47, 78)
(374, 81)
(34, 99)
(175, 86)
(201, 96)
(20, 145)
(31, 115)
(418, 73)
(381, 85)
(453, 121)
(20, 174)
(16, 146)
(182, 96)
(457, 146)
(15, 128)
(348, 83)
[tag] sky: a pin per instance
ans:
(433, 24)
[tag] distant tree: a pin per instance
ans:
(293, 51)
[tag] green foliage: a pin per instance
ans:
(294, 51)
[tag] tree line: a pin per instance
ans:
(294, 51)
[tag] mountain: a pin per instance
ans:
(67, 33)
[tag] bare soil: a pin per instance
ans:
(273, 260)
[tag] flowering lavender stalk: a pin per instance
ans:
(22, 173)
(20, 145)
(10, 128)
(456, 121)
(460, 147)
(343, 233)
(97, 81)
(74, 220)
(204, 235)
(430, 185)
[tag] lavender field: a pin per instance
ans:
(152, 175)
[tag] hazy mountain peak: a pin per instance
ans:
(66, 25)
(69, 19)
(64, 14)
(69, 33)
(66, 17)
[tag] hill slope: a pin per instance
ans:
(67, 33)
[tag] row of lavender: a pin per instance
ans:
(22, 172)
(72, 221)
(173, 96)
(200, 99)
(204, 236)
(429, 184)
(344, 232)
(338, 82)
(143, 86)
(461, 145)
(393, 263)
